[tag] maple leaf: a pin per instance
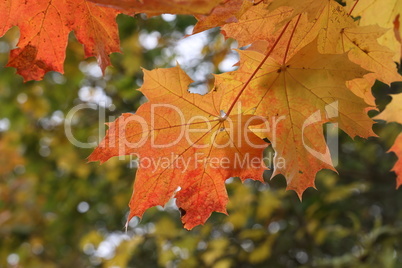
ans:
(44, 28)
(382, 13)
(158, 7)
(188, 133)
(336, 33)
(397, 149)
(393, 111)
(293, 94)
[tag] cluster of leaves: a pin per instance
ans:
(43, 176)
(352, 221)
(307, 57)
(304, 57)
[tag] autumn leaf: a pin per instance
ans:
(309, 64)
(338, 33)
(331, 25)
(393, 111)
(191, 143)
(298, 96)
(44, 28)
(157, 7)
(397, 149)
(382, 13)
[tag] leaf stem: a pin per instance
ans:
(351, 10)
(290, 40)
(256, 70)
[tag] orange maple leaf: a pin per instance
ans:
(298, 96)
(338, 33)
(44, 28)
(186, 141)
(397, 149)
(309, 64)
(331, 25)
(157, 7)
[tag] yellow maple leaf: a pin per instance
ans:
(299, 96)
(380, 12)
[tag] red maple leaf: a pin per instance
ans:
(44, 28)
(183, 140)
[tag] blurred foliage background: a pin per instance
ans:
(57, 210)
